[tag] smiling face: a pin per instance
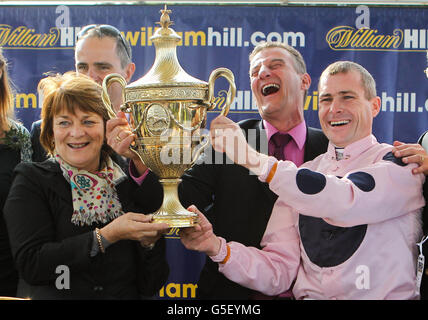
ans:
(78, 138)
(278, 88)
(345, 113)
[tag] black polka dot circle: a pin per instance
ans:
(310, 182)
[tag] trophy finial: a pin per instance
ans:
(165, 21)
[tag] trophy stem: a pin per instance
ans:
(171, 211)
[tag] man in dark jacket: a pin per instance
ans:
(236, 202)
(418, 153)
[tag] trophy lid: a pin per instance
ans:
(166, 72)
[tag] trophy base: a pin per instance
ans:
(176, 220)
(172, 212)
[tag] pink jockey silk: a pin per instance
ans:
(368, 188)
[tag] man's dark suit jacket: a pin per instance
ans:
(236, 202)
(42, 197)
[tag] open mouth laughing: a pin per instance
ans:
(269, 89)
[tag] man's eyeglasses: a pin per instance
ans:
(108, 30)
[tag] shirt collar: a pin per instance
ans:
(354, 149)
(298, 133)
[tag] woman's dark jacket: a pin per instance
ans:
(45, 244)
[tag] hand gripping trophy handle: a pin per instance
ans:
(108, 80)
(215, 74)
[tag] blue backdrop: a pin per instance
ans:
(391, 42)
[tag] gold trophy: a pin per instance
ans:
(168, 111)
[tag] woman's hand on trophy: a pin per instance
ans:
(119, 136)
(200, 237)
(412, 153)
(134, 226)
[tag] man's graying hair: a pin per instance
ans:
(369, 84)
(120, 48)
(299, 62)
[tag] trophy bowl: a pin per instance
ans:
(167, 111)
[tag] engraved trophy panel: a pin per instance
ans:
(168, 135)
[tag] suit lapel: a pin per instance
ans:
(260, 144)
(316, 144)
(256, 137)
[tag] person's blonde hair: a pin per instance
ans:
(69, 92)
(6, 95)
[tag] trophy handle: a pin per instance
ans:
(108, 80)
(226, 73)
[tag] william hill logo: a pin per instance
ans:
(349, 38)
(24, 37)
